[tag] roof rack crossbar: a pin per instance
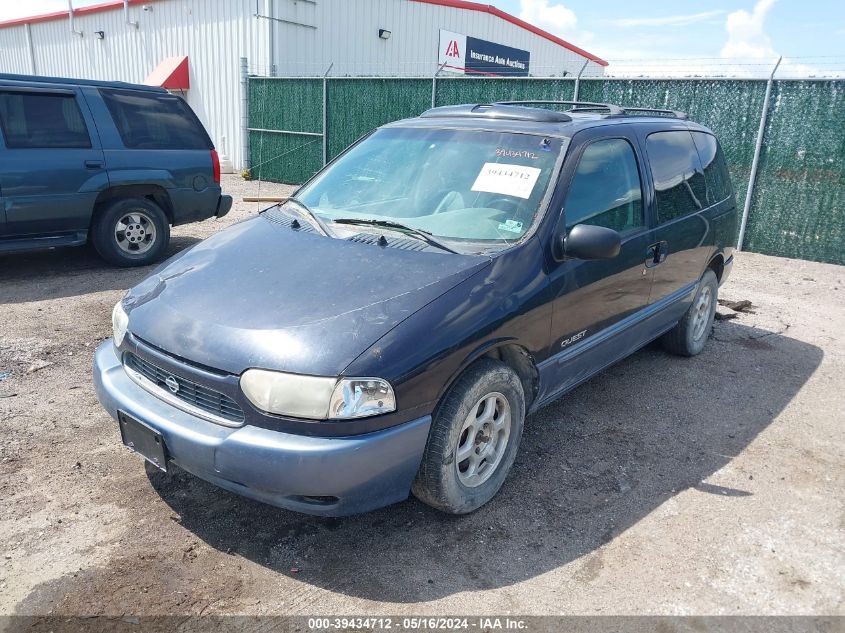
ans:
(576, 105)
(675, 113)
(587, 106)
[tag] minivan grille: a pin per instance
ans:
(190, 392)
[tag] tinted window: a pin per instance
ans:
(155, 121)
(678, 180)
(31, 119)
(605, 190)
(715, 168)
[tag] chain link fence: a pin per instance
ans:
(798, 202)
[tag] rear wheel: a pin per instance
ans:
(131, 232)
(473, 441)
(688, 337)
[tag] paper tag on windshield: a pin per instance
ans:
(510, 180)
(514, 226)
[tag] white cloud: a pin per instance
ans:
(748, 43)
(746, 35)
(554, 17)
(669, 20)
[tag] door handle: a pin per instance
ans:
(656, 254)
(94, 164)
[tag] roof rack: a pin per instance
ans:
(675, 113)
(589, 106)
(496, 111)
(583, 106)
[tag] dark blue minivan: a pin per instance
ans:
(388, 329)
(111, 163)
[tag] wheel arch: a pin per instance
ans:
(717, 265)
(510, 352)
(154, 193)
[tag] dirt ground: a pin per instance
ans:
(711, 485)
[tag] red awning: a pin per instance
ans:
(172, 74)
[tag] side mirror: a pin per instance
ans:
(586, 241)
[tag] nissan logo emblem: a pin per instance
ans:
(172, 384)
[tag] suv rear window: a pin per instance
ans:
(154, 121)
(715, 167)
(679, 183)
(37, 119)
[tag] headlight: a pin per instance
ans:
(119, 322)
(317, 397)
(361, 397)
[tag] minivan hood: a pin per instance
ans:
(262, 295)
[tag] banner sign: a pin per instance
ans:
(469, 55)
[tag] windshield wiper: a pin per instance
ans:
(425, 236)
(304, 210)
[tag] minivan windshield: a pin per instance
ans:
(479, 190)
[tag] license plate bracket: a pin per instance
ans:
(143, 439)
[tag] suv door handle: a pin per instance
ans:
(94, 164)
(656, 254)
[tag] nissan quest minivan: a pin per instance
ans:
(388, 329)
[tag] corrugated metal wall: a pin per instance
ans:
(347, 36)
(798, 205)
(213, 33)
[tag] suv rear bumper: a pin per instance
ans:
(224, 205)
(329, 476)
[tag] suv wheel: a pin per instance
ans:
(473, 440)
(688, 337)
(131, 232)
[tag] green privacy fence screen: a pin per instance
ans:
(798, 202)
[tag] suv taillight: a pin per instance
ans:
(215, 165)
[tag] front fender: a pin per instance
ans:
(504, 303)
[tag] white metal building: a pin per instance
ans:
(126, 40)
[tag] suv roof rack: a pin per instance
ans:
(588, 106)
(583, 106)
(78, 82)
(510, 112)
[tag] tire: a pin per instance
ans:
(688, 337)
(487, 390)
(131, 232)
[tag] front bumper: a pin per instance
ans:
(326, 476)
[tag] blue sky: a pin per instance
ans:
(739, 37)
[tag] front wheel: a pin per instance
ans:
(688, 337)
(474, 439)
(131, 232)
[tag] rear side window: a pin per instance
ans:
(715, 168)
(679, 183)
(605, 190)
(38, 120)
(154, 121)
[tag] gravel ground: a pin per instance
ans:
(711, 485)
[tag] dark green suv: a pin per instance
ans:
(113, 163)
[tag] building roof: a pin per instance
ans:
(487, 8)
(454, 4)
(62, 15)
